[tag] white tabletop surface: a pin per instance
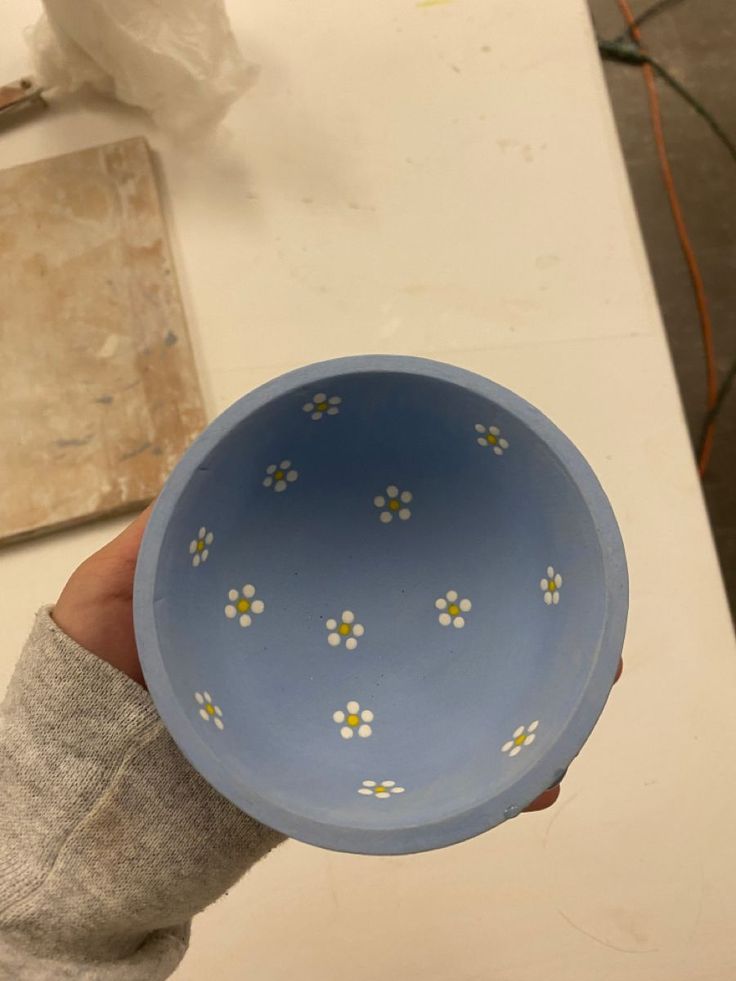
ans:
(444, 179)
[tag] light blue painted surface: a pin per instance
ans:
(445, 700)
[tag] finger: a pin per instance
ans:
(619, 670)
(544, 800)
(127, 543)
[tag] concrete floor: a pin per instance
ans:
(694, 40)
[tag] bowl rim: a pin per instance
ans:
(542, 772)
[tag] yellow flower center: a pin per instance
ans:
(453, 609)
(380, 790)
(243, 606)
(344, 629)
(200, 544)
(551, 585)
(322, 406)
(394, 505)
(210, 708)
(353, 720)
(520, 740)
(490, 438)
(279, 475)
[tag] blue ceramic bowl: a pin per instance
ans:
(380, 604)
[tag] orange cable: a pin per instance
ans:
(701, 300)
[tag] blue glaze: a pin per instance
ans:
(446, 700)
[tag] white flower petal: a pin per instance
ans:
(555, 598)
(258, 606)
(481, 441)
(219, 723)
(271, 469)
(338, 716)
(353, 707)
(333, 640)
(268, 481)
(207, 696)
(364, 731)
(351, 643)
(544, 584)
(232, 594)
(202, 532)
(515, 750)
(529, 739)
(503, 443)
(358, 629)
(494, 430)
(198, 696)
(346, 732)
(192, 547)
(205, 553)
(366, 715)
(196, 560)
(379, 501)
(209, 538)
(407, 497)
(308, 406)
(388, 783)
(445, 619)
(218, 710)
(404, 514)
(230, 611)
(279, 486)
(507, 746)
(249, 590)
(498, 451)
(451, 595)
(369, 783)
(331, 624)
(383, 794)
(320, 397)
(316, 416)
(397, 790)
(392, 490)
(465, 605)
(335, 400)
(440, 603)
(386, 516)
(459, 622)
(558, 580)
(285, 464)
(245, 620)
(365, 791)
(479, 428)
(548, 598)
(550, 572)
(333, 411)
(292, 476)
(533, 725)
(518, 732)
(204, 714)
(348, 616)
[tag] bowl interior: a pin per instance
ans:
(363, 591)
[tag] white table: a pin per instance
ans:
(460, 194)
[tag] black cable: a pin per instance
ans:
(656, 8)
(723, 390)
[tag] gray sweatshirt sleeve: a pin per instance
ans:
(109, 840)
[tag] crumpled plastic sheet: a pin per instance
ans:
(177, 59)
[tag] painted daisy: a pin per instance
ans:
(242, 605)
(347, 630)
(208, 710)
(523, 736)
(395, 502)
(551, 586)
(491, 436)
(451, 608)
(383, 789)
(199, 546)
(321, 405)
(279, 477)
(354, 720)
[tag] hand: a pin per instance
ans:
(96, 605)
(96, 609)
(549, 796)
